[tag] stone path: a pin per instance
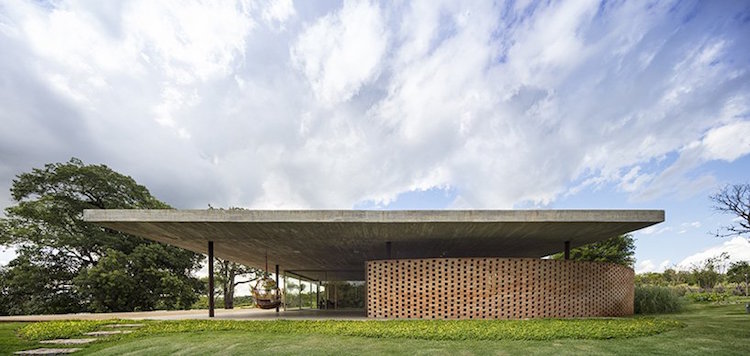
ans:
(110, 332)
(50, 351)
(123, 326)
(45, 351)
(68, 341)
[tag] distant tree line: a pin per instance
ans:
(706, 276)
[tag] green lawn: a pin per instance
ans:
(715, 329)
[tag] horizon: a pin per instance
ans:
(415, 106)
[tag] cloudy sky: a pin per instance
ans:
(403, 105)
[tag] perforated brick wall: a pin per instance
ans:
(497, 288)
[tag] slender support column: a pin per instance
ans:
(317, 295)
(210, 279)
(277, 285)
(335, 297)
(388, 250)
(284, 294)
(328, 293)
(567, 250)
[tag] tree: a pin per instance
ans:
(650, 278)
(672, 277)
(739, 272)
(734, 200)
(68, 265)
(709, 273)
(227, 273)
(619, 249)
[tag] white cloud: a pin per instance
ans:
(727, 142)
(6, 255)
(264, 104)
(655, 230)
(738, 249)
(342, 51)
(646, 266)
(278, 12)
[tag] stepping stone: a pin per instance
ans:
(123, 326)
(105, 333)
(44, 351)
(68, 341)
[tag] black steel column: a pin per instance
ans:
(567, 250)
(388, 250)
(210, 279)
(277, 284)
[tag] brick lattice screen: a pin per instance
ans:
(497, 288)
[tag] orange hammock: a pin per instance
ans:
(267, 294)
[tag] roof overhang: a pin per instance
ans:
(334, 244)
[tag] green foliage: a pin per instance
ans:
(60, 329)
(39, 286)
(650, 278)
(720, 329)
(244, 301)
(739, 272)
(68, 265)
(9, 340)
(121, 282)
(437, 330)
(656, 300)
(228, 276)
(619, 249)
(707, 297)
(673, 277)
(543, 329)
(707, 275)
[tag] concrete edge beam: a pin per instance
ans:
(370, 216)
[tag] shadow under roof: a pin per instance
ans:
(334, 244)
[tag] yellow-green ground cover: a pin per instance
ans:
(700, 329)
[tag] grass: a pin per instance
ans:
(708, 328)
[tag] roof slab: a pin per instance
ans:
(334, 244)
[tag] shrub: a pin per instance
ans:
(655, 300)
(707, 297)
(536, 329)
(61, 329)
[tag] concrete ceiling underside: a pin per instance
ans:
(334, 244)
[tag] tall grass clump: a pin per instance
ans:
(656, 300)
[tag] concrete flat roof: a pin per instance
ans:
(334, 244)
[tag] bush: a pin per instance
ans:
(656, 300)
(536, 329)
(61, 329)
(547, 329)
(707, 297)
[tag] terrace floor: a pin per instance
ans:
(235, 314)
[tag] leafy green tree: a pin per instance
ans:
(739, 272)
(68, 265)
(32, 284)
(673, 277)
(227, 278)
(708, 274)
(650, 278)
(619, 249)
